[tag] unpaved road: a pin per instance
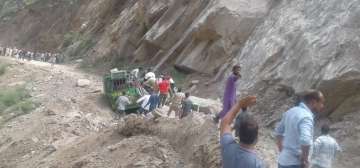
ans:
(73, 127)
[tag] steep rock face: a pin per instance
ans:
(307, 44)
(37, 25)
(194, 35)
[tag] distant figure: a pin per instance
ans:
(150, 85)
(230, 93)
(122, 101)
(135, 73)
(164, 88)
(186, 106)
(175, 103)
(324, 149)
(172, 86)
(242, 154)
(294, 133)
(144, 101)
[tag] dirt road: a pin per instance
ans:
(73, 127)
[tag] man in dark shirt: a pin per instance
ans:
(240, 154)
(186, 106)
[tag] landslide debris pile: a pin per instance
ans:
(194, 138)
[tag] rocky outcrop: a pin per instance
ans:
(193, 35)
(299, 45)
(307, 44)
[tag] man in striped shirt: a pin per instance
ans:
(324, 149)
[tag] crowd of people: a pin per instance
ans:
(30, 55)
(161, 91)
(294, 133)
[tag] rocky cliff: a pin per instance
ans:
(308, 44)
(284, 46)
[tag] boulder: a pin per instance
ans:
(83, 83)
(195, 82)
(206, 106)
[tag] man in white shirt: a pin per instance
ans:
(122, 101)
(135, 73)
(149, 75)
(144, 101)
(324, 149)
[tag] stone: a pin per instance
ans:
(195, 82)
(83, 83)
(50, 112)
(20, 83)
(79, 60)
(35, 139)
(206, 106)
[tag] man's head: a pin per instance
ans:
(236, 70)
(248, 130)
(187, 94)
(315, 100)
(325, 129)
(179, 89)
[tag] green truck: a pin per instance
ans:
(119, 81)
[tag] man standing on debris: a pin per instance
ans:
(153, 101)
(186, 105)
(230, 93)
(324, 149)
(144, 101)
(294, 133)
(242, 154)
(122, 101)
(164, 87)
(176, 101)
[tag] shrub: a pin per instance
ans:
(2, 69)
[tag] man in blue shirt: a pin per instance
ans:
(294, 133)
(241, 154)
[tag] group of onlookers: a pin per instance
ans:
(161, 91)
(29, 55)
(294, 133)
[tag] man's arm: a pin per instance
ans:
(140, 100)
(225, 126)
(305, 156)
(306, 137)
(279, 131)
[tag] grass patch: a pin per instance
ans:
(3, 68)
(14, 102)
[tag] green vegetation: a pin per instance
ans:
(3, 68)
(178, 77)
(14, 102)
(77, 44)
